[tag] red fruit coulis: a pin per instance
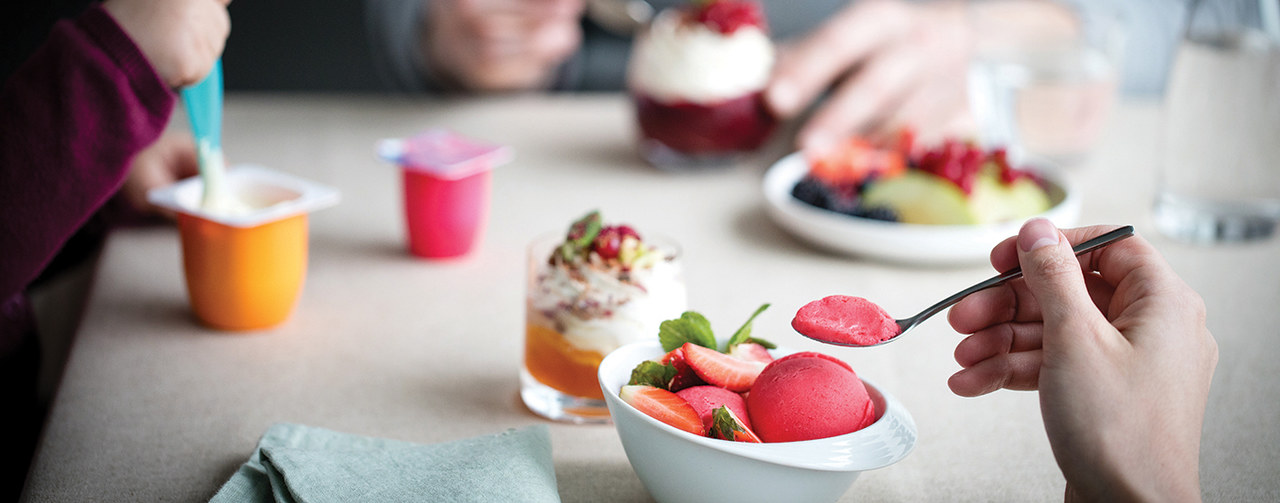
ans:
(735, 125)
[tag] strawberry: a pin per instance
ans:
(726, 16)
(720, 369)
(706, 399)
(854, 161)
(664, 406)
(905, 141)
(750, 351)
(685, 376)
(726, 425)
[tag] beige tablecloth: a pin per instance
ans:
(155, 407)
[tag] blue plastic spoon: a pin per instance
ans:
(204, 110)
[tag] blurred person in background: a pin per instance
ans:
(878, 63)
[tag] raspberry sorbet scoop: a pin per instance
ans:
(807, 398)
(846, 320)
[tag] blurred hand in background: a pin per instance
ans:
(500, 45)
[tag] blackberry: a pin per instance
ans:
(814, 192)
(874, 213)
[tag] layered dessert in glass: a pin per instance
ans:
(590, 291)
(696, 77)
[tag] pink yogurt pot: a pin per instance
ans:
(446, 180)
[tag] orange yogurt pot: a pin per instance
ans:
(244, 269)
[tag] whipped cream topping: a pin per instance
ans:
(597, 311)
(674, 61)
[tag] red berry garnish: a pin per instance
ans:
(626, 230)
(726, 16)
(608, 243)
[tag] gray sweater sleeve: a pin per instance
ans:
(392, 27)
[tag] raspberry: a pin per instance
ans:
(726, 16)
(609, 242)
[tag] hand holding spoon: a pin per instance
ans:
(856, 322)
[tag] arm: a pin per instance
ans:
(71, 119)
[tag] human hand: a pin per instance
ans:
(892, 63)
(171, 158)
(180, 38)
(1118, 347)
(500, 45)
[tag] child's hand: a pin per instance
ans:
(1117, 345)
(169, 159)
(180, 38)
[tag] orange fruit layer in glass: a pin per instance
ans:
(554, 362)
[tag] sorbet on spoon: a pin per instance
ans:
(843, 320)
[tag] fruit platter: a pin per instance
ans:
(944, 204)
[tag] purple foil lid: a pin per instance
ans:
(443, 154)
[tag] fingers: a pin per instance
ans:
(1053, 275)
(999, 340)
(1015, 371)
(860, 102)
(806, 68)
(1014, 303)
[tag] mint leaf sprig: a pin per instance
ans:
(693, 327)
(652, 373)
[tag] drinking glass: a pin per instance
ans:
(1219, 173)
(1044, 93)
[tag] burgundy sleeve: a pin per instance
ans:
(71, 119)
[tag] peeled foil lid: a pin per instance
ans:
(443, 154)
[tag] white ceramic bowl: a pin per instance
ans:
(677, 466)
(892, 241)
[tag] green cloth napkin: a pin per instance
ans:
(303, 464)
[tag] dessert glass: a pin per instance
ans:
(244, 269)
(576, 313)
(697, 92)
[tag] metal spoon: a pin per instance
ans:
(906, 324)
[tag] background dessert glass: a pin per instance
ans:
(697, 93)
(574, 317)
(1225, 78)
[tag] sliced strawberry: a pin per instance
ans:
(664, 406)
(685, 376)
(706, 399)
(726, 425)
(905, 142)
(720, 369)
(812, 354)
(854, 161)
(750, 351)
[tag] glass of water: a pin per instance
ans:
(1044, 93)
(1219, 177)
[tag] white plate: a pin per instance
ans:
(892, 241)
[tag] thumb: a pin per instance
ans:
(1054, 277)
